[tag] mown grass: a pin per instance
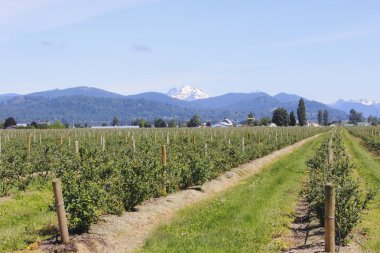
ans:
(251, 217)
(368, 167)
(26, 219)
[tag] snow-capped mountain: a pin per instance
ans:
(364, 101)
(366, 106)
(187, 93)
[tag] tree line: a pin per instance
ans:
(280, 117)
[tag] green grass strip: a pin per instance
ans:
(368, 166)
(247, 218)
(26, 219)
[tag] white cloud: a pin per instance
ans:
(24, 16)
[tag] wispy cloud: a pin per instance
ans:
(25, 16)
(52, 45)
(141, 48)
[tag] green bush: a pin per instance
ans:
(350, 199)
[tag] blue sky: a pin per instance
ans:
(322, 50)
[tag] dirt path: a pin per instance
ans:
(5, 199)
(128, 232)
(308, 235)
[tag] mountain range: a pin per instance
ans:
(365, 106)
(95, 106)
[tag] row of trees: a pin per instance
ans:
(323, 117)
(281, 117)
(11, 122)
(157, 123)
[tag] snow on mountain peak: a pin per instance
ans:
(365, 101)
(187, 93)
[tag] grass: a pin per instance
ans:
(251, 217)
(26, 219)
(368, 167)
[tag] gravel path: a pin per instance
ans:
(128, 232)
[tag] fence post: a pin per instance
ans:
(77, 147)
(329, 217)
(330, 152)
(164, 169)
(29, 144)
(60, 208)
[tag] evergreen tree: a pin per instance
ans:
(280, 117)
(355, 117)
(320, 117)
(373, 120)
(250, 119)
(10, 122)
(159, 123)
(195, 121)
(265, 121)
(171, 123)
(301, 113)
(326, 118)
(115, 121)
(292, 118)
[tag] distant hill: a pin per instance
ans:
(95, 106)
(227, 100)
(287, 98)
(366, 107)
(6, 97)
(161, 98)
(77, 91)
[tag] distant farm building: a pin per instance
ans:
(224, 123)
(114, 127)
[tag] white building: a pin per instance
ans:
(224, 123)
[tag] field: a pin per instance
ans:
(244, 219)
(95, 165)
(112, 171)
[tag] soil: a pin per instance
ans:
(128, 232)
(308, 234)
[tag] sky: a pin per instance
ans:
(320, 49)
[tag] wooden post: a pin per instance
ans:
(77, 147)
(243, 144)
(134, 146)
(61, 213)
(330, 152)
(30, 145)
(163, 169)
(329, 217)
